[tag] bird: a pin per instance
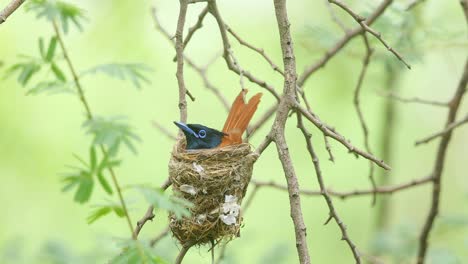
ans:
(202, 137)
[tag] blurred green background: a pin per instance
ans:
(38, 134)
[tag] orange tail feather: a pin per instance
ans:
(239, 118)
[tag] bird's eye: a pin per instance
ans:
(202, 133)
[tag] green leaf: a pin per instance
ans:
(57, 11)
(98, 213)
(159, 199)
(105, 185)
(123, 71)
(26, 70)
(51, 49)
(92, 158)
(51, 87)
(41, 48)
(85, 184)
(135, 252)
(58, 73)
(111, 132)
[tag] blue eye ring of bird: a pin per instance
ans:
(202, 133)
(185, 128)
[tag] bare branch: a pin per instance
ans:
(149, 216)
(332, 214)
(357, 105)
(227, 53)
(277, 130)
(262, 121)
(328, 148)
(9, 9)
(194, 28)
(179, 46)
(448, 129)
(258, 50)
(342, 43)
(440, 160)
(362, 21)
(183, 251)
(335, 18)
(390, 189)
(417, 100)
(160, 236)
(338, 137)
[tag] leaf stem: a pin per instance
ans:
(89, 116)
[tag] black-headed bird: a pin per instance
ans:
(202, 137)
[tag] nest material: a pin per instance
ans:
(215, 181)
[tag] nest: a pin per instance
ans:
(215, 181)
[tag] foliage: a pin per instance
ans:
(123, 71)
(159, 199)
(105, 209)
(111, 132)
(58, 11)
(83, 176)
(136, 252)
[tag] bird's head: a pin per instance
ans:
(199, 136)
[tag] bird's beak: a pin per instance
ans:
(186, 129)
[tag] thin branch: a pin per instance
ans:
(194, 28)
(200, 70)
(164, 130)
(362, 21)
(342, 43)
(392, 95)
(448, 129)
(335, 18)
(179, 46)
(327, 131)
(328, 148)
(9, 9)
(258, 50)
(89, 116)
(357, 105)
(227, 53)
(278, 129)
(390, 189)
(332, 211)
(440, 160)
(160, 236)
(149, 216)
(262, 121)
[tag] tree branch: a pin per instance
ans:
(9, 9)
(286, 103)
(417, 100)
(342, 43)
(332, 214)
(179, 46)
(448, 129)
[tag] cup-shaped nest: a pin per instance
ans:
(215, 181)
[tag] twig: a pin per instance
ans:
(440, 160)
(338, 137)
(396, 97)
(160, 236)
(342, 43)
(149, 216)
(164, 130)
(278, 133)
(194, 28)
(366, 27)
(390, 189)
(262, 121)
(227, 54)
(448, 129)
(335, 18)
(9, 9)
(332, 211)
(89, 116)
(200, 70)
(328, 148)
(258, 50)
(357, 105)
